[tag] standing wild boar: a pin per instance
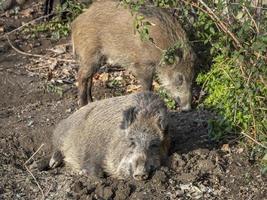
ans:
(105, 34)
(122, 136)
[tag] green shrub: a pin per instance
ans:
(57, 27)
(236, 81)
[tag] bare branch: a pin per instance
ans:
(26, 24)
(252, 139)
(38, 185)
(37, 55)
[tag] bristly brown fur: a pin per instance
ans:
(92, 139)
(105, 34)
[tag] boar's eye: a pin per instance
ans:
(154, 146)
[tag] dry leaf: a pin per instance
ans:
(66, 71)
(119, 78)
(26, 12)
(155, 85)
(103, 77)
(53, 65)
(133, 88)
(226, 148)
(60, 49)
(240, 150)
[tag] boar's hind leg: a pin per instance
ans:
(145, 75)
(56, 159)
(85, 76)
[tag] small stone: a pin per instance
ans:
(206, 165)
(69, 110)
(78, 186)
(160, 176)
(176, 161)
(104, 192)
(123, 192)
(30, 123)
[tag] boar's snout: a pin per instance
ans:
(184, 101)
(140, 171)
(186, 107)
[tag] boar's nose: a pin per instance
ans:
(140, 176)
(184, 103)
(186, 107)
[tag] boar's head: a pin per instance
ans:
(144, 137)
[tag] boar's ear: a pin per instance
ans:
(129, 116)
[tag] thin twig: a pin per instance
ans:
(223, 26)
(49, 189)
(253, 117)
(38, 185)
(26, 24)
(251, 6)
(220, 23)
(37, 55)
(254, 22)
(37, 68)
(34, 153)
(263, 81)
(215, 18)
(263, 146)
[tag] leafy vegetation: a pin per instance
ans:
(57, 27)
(231, 39)
(170, 103)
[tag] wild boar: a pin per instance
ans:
(123, 136)
(105, 34)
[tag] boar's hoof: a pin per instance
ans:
(84, 172)
(140, 177)
(56, 159)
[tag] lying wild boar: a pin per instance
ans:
(105, 34)
(122, 136)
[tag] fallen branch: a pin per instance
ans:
(258, 143)
(37, 55)
(26, 24)
(38, 185)
(34, 154)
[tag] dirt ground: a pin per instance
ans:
(29, 110)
